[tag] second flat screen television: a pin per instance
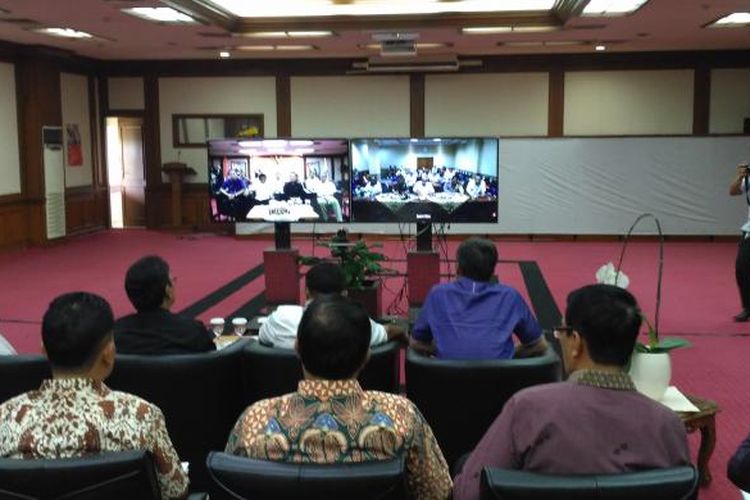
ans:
(425, 179)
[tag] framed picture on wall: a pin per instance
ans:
(192, 131)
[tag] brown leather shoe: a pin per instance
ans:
(743, 316)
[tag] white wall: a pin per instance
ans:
(220, 95)
(10, 163)
(730, 100)
(350, 106)
(125, 93)
(628, 102)
(75, 110)
(485, 105)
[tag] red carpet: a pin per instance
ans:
(699, 298)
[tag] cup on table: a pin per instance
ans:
(240, 326)
(217, 326)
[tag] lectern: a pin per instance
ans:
(177, 172)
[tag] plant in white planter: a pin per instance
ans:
(650, 366)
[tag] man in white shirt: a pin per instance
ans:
(373, 188)
(326, 191)
(423, 188)
(326, 278)
(263, 190)
(476, 187)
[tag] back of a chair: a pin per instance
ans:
(239, 477)
(21, 373)
(461, 399)
(114, 476)
(676, 483)
(199, 394)
(271, 371)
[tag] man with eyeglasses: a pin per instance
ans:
(595, 422)
(154, 329)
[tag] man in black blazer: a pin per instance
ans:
(154, 329)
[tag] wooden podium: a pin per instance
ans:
(177, 172)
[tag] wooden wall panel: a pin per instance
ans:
(14, 224)
(86, 210)
(195, 213)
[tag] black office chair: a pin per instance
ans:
(460, 399)
(22, 373)
(676, 483)
(199, 394)
(271, 371)
(114, 476)
(239, 477)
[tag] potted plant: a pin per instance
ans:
(650, 366)
(361, 266)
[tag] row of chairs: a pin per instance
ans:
(131, 474)
(202, 395)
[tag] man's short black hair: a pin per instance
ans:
(477, 258)
(333, 337)
(146, 282)
(325, 278)
(608, 319)
(74, 328)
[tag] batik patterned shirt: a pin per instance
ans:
(338, 422)
(76, 417)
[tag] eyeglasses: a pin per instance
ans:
(562, 328)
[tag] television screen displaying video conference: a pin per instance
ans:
(279, 180)
(359, 180)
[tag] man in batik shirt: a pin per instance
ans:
(330, 419)
(74, 414)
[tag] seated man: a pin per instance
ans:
(153, 329)
(596, 422)
(74, 414)
(738, 468)
(325, 190)
(326, 278)
(472, 317)
(263, 190)
(330, 419)
(423, 188)
(476, 187)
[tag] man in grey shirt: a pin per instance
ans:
(596, 422)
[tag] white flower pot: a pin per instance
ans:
(651, 373)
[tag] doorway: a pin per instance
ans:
(126, 172)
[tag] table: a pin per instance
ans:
(705, 422)
(394, 201)
(282, 212)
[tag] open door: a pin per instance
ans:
(127, 173)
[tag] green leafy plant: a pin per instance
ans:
(359, 262)
(658, 345)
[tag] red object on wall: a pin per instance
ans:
(282, 276)
(422, 273)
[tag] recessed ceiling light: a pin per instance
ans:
(65, 33)
(419, 46)
(299, 8)
(612, 7)
(261, 48)
(159, 14)
(295, 47)
(289, 34)
(494, 30)
(732, 20)
(600, 48)
(224, 54)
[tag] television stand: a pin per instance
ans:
(424, 236)
(281, 269)
(282, 235)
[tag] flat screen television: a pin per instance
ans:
(278, 180)
(432, 179)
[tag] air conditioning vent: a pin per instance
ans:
(397, 48)
(55, 215)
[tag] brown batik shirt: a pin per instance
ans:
(77, 417)
(338, 422)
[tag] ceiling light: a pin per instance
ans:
(65, 32)
(295, 47)
(262, 48)
(420, 46)
(562, 43)
(298, 8)
(732, 20)
(600, 48)
(288, 34)
(159, 14)
(494, 30)
(224, 54)
(612, 7)
(486, 30)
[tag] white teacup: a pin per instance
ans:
(217, 325)
(240, 326)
